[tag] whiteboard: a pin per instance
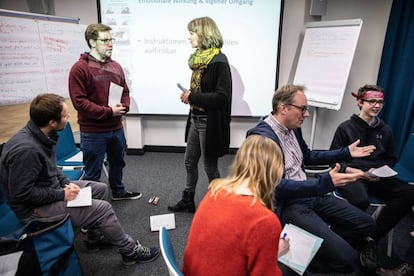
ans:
(36, 57)
(325, 60)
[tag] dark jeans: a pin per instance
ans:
(338, 223)
(94, 147)
(195, 149)
(398, 195)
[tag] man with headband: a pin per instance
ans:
(371, 130)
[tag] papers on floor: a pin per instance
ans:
(84, 198)
(384, 171)
(115, 94)
(303, 247)
(166, 220)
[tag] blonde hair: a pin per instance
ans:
(209, 35)
(258, 161)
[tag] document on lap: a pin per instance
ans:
(302, 248)
(384, 171)
(84, 198)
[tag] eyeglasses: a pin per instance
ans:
(302, 108)
(374, 102)
(106, 40)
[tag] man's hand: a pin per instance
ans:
(341, 179)
(71, 191)
(118, 110)
(356, 151)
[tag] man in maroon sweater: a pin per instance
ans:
(90, 81)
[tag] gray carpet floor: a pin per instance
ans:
(163, 174)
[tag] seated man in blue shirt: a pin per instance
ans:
(309, 203)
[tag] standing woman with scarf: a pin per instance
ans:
(208, 125)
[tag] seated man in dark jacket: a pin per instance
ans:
(35, 187)
(309, 203)
(398, 195)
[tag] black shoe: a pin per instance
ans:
(128, 195)
(141, 254)
(185, 204)
(96, 245)
(368, 256)
(403, 269)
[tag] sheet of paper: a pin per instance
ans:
(84, 198)
(303, 247)
(76, 158)
(384, 171)
(166, 220)
(9, 263)
(115, 94)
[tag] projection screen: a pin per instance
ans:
(151, 44)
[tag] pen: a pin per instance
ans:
(284, 236)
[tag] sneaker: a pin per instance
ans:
(141, 254)
(128, 195)
(96, 245)
(368, 256)
(403, 269)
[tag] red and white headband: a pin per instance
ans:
(369, 95)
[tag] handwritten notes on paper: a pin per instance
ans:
(36, 56)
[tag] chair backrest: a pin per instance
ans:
(66, 145)
(73, 174)
(167, 252)
(405, 165)
(8, 220)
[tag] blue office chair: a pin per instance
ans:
(67, 153)
(378, 204)
(167, 252)
(69, 156)
(405, 165)
(8, 220)
(73, 175)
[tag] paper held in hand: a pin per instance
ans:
(384, 171)
(115, 94)
(302, 249)
(84, 198)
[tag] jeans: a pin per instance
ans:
(338, 223)
(94, 147)
(195, 149)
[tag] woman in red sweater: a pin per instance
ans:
(234, 231)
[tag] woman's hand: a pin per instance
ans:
(184, 96)
(283, 246)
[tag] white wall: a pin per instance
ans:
(169, 131)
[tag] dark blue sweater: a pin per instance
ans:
(289, 189)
